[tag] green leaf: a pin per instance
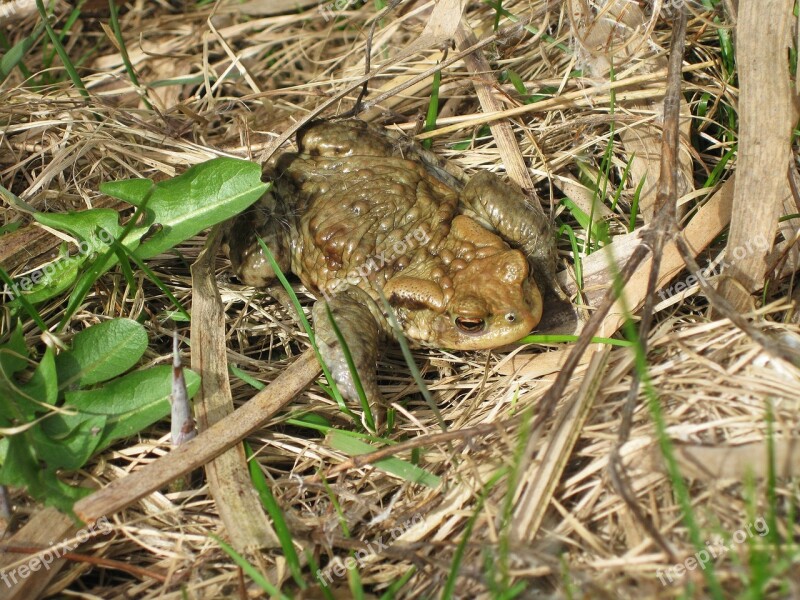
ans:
(13, 359)
(101, 352)
(401, 468)
(22, 469)
(95, 230)
(96, 226)
(130, 403)
(206, 194)
(43, 386)
(91, 419)
(73, 451)
(132, 191)
(49, 281)
(14, 354)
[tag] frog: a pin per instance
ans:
(387, 236)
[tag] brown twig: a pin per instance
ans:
(466, 434)
(92, 560)
(210, 443)
(228, 474)
(368, 56)
(655, 236)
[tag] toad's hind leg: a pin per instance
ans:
(505, 208)
(357, 317)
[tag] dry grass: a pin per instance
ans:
(714, 385)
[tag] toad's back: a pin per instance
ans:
(365, 221)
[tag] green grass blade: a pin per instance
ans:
(719, 169)
(114, 18)
(276, 514)
(337, 396)
(679, 486)
(623, 179)
(396, 586)
(13, 57)
(637, 194)
(504, 541)
(354, 581)
(318, 423)
(433, 108)
(248, 379)
(562, 338)
(529, 28)
(336, 506)
(152, 277)
(62, 54)
(351, 366)
(251, 571)
(450, 585)
(396, 466)
(323, 585)
(576, 253)
(98, 266)
(125, 265)
(401, 340)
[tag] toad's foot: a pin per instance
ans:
(356, 316)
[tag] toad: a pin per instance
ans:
(359, 212)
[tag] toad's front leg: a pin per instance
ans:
(358, 319)
(248, 260)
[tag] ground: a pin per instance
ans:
(701, 502)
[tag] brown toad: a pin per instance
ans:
(358, 212)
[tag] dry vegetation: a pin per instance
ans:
(540, 511)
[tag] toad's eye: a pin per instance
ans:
(468, 325)
(510, 317)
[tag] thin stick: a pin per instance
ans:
(663, 225)
(209, 444)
